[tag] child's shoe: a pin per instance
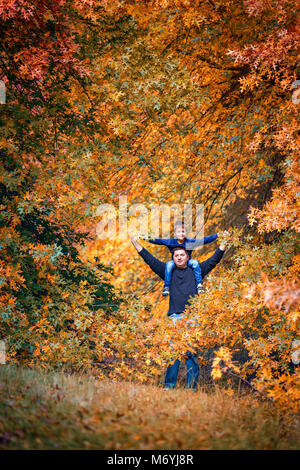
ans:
(166, 291)
(200, 289)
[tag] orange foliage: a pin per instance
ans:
(166, 102)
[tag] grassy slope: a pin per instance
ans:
(55, 411)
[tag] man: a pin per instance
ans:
(183, 287)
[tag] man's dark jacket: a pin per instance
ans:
(183, 283)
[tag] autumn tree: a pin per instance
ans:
(164, 102)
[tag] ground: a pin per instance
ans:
(51, 410)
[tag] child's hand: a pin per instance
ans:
(224, 234)
(144, 236)
(224, 239)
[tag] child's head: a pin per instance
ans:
(179, 230)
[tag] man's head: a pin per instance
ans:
(179, 230)
(180, 257)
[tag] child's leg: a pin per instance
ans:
(168, 274)
(193, 263)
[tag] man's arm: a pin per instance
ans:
(155, 264)
(211, 263)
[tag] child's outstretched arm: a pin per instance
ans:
(196, 242)
(157, 241)
(210, 239)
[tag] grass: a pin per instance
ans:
(41, 410)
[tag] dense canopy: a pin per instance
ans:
(164, 102)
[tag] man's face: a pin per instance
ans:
(180, 258)
(180, 232)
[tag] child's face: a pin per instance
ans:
(180, 232)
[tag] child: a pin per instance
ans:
(181, 240)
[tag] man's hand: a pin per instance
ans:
(224, 237)
(136, 244)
